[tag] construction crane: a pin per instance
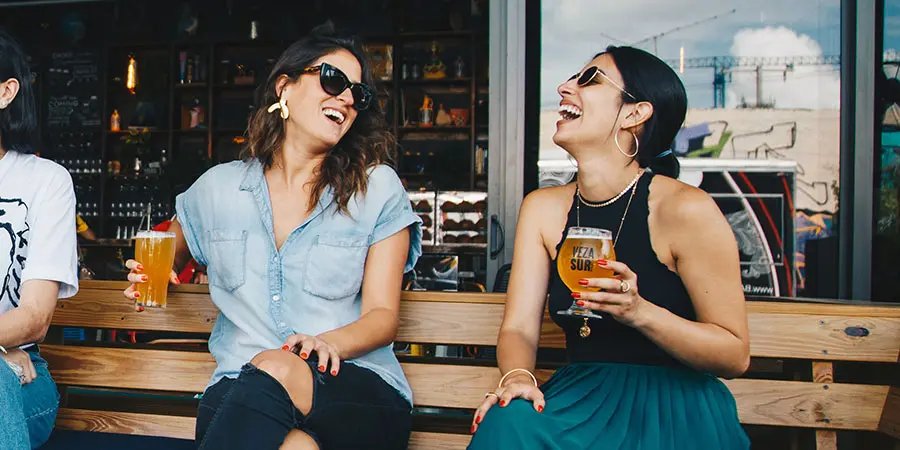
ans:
(723, 66)
(656, 37)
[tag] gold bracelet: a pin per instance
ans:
(500, 385)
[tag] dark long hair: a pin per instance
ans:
(18, 121)
(367, 143)
(650, 79)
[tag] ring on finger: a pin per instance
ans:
(492, 393)
(624, 286)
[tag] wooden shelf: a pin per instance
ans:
(434, 129)
(191, 85)
(235, 87)
(429, 35)
(438, 82)
(124, 132)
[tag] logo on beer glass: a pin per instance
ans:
(578, 260)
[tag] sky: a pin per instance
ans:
(574, 30)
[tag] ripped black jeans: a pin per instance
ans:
(355, 410)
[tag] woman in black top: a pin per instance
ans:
(643, 376)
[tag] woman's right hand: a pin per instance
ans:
(137, 275)
(519, 386)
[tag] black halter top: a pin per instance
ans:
(610, 341)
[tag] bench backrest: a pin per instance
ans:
(818, 332)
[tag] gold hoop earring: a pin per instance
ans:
(282, 106)
(637, 145)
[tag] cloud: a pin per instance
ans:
(572, 31)
(808, 87)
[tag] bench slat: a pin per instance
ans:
(126, 423)
(159, 370)
(890, 419)
(183, 427)
(760, 402)
(778, 334)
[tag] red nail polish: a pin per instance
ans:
(540, 409)
(334, 373)
(321, 368)
(285, 347)
(144, 278)
(140, 309)
(602, 262)
(583, 282)
(502, 402)
(579, 303)
(472, 431)
(478, 420)
(304, 355)
(137, 295)
(140, 267)
(576, 295)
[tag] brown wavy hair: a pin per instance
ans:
(366, 144)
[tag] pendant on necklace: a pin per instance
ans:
(585, 330)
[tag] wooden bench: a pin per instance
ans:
(818, 333)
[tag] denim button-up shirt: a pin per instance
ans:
(311, 285)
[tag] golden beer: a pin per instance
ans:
(577, 260)
(155, 250)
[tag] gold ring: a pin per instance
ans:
(490, 394)
(624, 286)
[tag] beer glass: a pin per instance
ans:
(577, 260)
(155, 250)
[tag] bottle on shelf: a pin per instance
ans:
(114, 122)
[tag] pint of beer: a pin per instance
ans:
(155, 250)
(577, 259)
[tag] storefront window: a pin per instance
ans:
(762, 133)
(886, 247)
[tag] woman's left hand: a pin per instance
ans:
(304, 345)
(619, 297)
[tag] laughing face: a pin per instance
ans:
(316, 117)
(589, 113)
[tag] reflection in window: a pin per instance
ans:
(886, 247)
(763, 85)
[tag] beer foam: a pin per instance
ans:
(152, 234)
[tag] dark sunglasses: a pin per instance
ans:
(334, 82)
(586, 77)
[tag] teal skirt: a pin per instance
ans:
(609, 406)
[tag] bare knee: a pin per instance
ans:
(292, 372)
(298, 440)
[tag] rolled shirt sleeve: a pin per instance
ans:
(397, 214)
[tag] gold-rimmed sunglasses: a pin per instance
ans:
(586, 77)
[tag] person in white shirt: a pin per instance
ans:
(38, 262)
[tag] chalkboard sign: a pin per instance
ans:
(74, 90)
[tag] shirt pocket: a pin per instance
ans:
(227, 258)
(335, 265)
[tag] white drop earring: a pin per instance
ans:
(637, 145)
(281, 105)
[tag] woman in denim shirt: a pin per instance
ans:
(306, 241)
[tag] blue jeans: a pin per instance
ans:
(27, 412)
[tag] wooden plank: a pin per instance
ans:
(823, 372)
(183, 427)
(449, 323)
(420, 440)
(824, 337)
(754, 305)
(159, 370)
(104, 308)
(808, 405)
(890, 417)
(826, 440)
(126, 423)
